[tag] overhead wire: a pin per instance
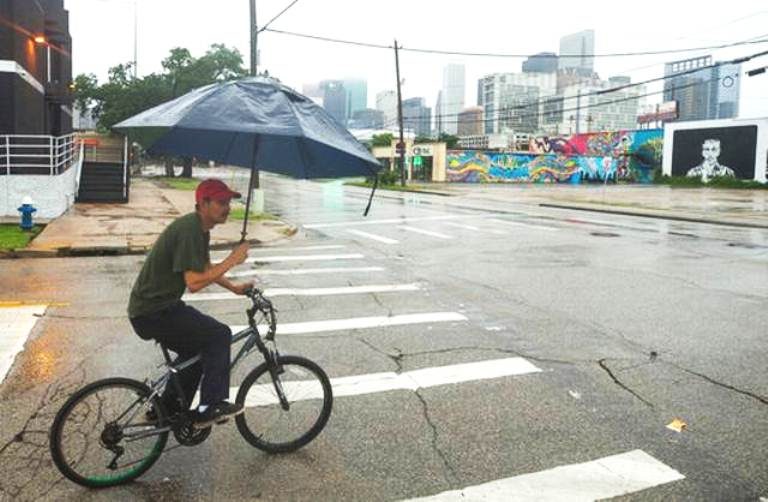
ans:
(508, 55)
(266, 26)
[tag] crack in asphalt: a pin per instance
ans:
(29, 454)
(396, 358)
(381, 304)
(711, 380)
(604, 366)
(450, 473)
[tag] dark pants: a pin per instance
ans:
(188, 332)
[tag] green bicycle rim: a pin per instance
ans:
(109, 480)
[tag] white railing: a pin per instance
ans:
(37, 154)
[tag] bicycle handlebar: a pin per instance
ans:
(264, 305)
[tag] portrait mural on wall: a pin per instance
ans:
(715, 152)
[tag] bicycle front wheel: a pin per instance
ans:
(101, 436)
(284, 413)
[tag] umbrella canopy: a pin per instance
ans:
(256, 123)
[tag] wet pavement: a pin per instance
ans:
(132, 228)
(632, 322)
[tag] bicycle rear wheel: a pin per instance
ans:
(100, 420)
(266, 424)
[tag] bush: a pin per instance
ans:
(387, 177)
(720, 182)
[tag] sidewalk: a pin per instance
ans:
(92, 229)
(742, 208)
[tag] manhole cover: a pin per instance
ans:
(604, 234)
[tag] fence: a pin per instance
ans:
(37, 154)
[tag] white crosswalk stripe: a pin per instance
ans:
(424, 232)
(319, 257)
(361, 323)
(271, 249)
(385, 221)
(305, 271)
(604, 478)
(520, 224)
(272, 292)
(378, 238)
(474, 228)
(384, 382)
(15, 325)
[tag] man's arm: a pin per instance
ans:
(213, 273)
(237, 289)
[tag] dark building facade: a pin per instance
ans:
(702, 89)
(543, 62)
(335, 100)
(35, 67)
(367, 119)
(417, 116)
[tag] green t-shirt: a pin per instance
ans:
(182, 246)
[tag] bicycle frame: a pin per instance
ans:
(252, 338)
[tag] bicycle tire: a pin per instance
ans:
(57, 433)
(292, 365)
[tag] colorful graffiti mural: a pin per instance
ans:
(630, 155)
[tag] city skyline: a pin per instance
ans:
(297, 61)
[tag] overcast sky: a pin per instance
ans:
(102, 33)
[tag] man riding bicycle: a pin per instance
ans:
(180, 260)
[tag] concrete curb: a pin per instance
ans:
(85, 251)
(656, 215)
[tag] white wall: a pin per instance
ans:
(762, 140)
(51, 195)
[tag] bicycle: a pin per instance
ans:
(287, 400)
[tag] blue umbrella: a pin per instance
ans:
(256, 123)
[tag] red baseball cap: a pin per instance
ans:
(214, 189)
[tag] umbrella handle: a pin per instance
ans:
(370, 199)
(250, 192)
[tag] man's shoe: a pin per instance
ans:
(217, 414)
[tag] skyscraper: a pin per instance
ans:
(471, 122)
(452, 97)
(417, 117)
(335, 100)
(576, 52)
(357, 95)
(543, 62)
(386, 102)
(702, 90)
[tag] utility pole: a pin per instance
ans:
(254, 71)
(254, 40)
(578, 110)
(135, 39)
(401, 143)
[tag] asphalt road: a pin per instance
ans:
(628, 324)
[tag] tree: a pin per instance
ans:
(384, 139)
(123, 95)
(86, 86)
(450, 140)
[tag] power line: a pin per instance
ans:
(631, 85)
(504, 113)
(510, 55)
(266, 26)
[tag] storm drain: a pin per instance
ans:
(604, 234)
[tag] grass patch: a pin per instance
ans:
(397, 188)
(13, 237)
(238, 213)
(178, 183)
(720, 182)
